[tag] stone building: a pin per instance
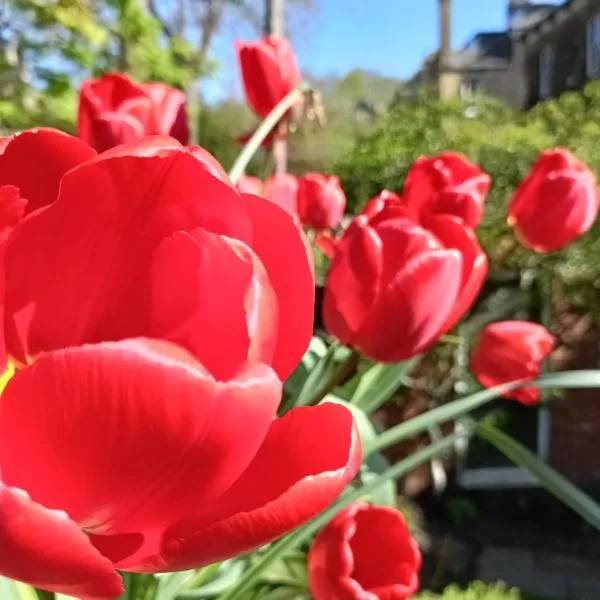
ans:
(546, 49)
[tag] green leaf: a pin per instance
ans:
(318, 378)
(171, 583)
(379, 384)
(316, 350)
(458, 408)
(15, 590)
(554, 482)
(231, 571)
(289, 570)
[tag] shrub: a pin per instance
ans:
(476, 591)
(505, 143)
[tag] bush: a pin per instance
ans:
(476, 591)
(505, 143)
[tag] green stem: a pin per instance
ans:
(345, 370)
(452, 339)
(44, 595)
(263, 130)
(252, 575)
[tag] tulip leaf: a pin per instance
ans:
(379, 384)
(318, 378)
(15, 590)
(290, 570)
(316, 351)
(170, 584)
(458, 408)
(554, 482)
(230, 572)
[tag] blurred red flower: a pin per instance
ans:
(511, 351)
(321, 201)
(114, 110)
(555, 204)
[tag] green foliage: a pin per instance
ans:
(505, 143)
(50, 47)
(476, 591)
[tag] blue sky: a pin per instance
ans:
(388, 36)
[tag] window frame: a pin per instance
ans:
(546, 68)
(592, 47)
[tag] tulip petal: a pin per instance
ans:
(353, 282)
(46, 549)
(282, 189)
(224, 310)
(170, 112)
(130, 436)
(250, 185)
(280, 247)
(410, 316)
(35, 161)
(306, 460)
(280, 490)
(454, 235)
(392, 567)
(100, 235)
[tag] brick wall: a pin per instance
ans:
(575, 420)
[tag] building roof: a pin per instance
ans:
(553, 15)
(487, 50)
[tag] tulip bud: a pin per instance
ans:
(269, 72)
(511, 351)
(447, 184)
(555, 204)
(383, 293)
(321, 201)
(364, 552)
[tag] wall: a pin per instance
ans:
(500, 83)
(569, 41)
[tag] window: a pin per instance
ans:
(593, 47)
(469, 88)
(546, 69)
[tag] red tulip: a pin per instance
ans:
(282, 189)
(555, 204)
(383, 289)
(365, 553)
(114, 110)
(511, 351)
(321, 201)
(250, 185)
(269, 72)
(138, 432)
(447, 184)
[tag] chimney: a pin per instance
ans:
(446, 79)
